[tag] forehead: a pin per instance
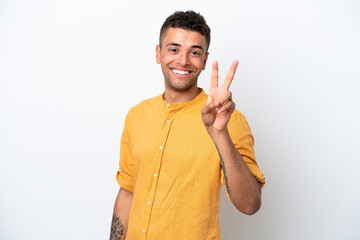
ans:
(183, 37)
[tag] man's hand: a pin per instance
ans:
(218, 109)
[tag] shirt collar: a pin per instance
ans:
(178, 106)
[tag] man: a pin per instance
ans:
(178, 148)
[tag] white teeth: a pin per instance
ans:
(177, 71)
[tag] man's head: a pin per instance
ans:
(188, 20)
(182, 51)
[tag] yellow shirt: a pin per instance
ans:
(171, 165)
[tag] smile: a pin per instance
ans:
(180, 72)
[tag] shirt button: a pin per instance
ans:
(155, 175)
(168, 121)
(149, 202)
(160, 147)
(168, 105)
(143, 230)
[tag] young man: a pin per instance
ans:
(178, 148)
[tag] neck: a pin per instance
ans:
(173, 97)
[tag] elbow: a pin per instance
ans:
(249, 208)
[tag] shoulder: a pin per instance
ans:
(238, 118)
(238, 125)
(145, 106)
(142, 111)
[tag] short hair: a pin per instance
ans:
(188, 20)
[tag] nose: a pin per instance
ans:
(183, 59)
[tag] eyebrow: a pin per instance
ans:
(179, 45)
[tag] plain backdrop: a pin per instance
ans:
(71, 69)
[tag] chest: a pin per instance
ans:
(176, 145)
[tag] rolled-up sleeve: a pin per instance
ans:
(243, 140)
(124, 175)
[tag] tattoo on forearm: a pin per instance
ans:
(117, 229)
(223, 166)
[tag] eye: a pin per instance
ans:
(195, 53)
(173, 50)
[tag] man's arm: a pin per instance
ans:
(121, 213)
(244, 190)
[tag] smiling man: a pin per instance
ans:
(178, 149)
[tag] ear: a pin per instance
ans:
(205, 60)
(158, 53)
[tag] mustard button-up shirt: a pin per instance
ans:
(171, 165)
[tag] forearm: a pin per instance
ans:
(121, 214)
(243, 188)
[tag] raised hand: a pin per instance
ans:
(218, 109)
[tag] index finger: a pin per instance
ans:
(214, 75)
(230, 75)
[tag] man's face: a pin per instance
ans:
(182, 56)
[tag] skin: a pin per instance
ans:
(186, 51)
(121, 215)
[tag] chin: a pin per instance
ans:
(180, 87)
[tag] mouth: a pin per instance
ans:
(180, 72)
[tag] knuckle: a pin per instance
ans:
(229, 94)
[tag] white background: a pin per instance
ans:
(70, 71)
